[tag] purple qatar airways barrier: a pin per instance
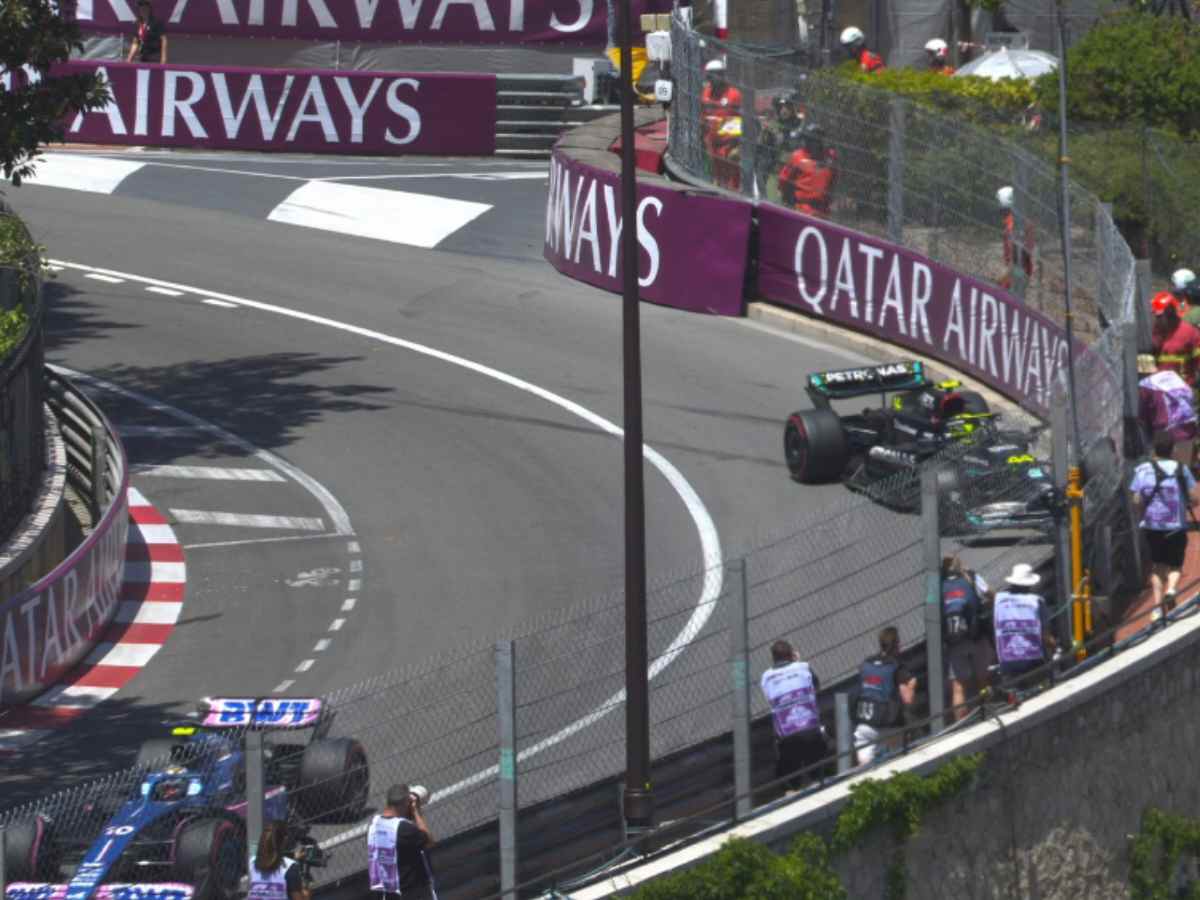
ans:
(49, 627)
(869, 285)
(391, 21)
(693, 247)
(293, 111)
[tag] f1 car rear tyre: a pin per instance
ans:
(334, 780)
(210, 855)
(814, 445)
(29, 851)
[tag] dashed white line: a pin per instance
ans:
(348, 604)
(283, 686)
(246, 520)
(305, 666)
(212, 473)
(322, 645)
(166, 292)
(356, 565)
(221, 303)
(107, 279)
(281, 539)
(354, 584)
(336, 624)
(352, 547)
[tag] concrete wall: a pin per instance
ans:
(1064, 783)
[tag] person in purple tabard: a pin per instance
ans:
(397, 839)
(791, 690)
(1163, 490)
(1022, 623)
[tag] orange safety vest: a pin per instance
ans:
(1179, 351)
(808, 182)
(870, 62)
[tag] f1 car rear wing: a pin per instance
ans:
(841, 384)
(24, 890)
(262, 712)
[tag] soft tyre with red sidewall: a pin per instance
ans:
(815, 446)
(210, 855)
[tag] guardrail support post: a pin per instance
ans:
(895, 171)
(99, 469)
(3, 853)
(739, 657)
(932, 556)
(749, 145)
(506, 725)
(845, 732)
(255, 789)
(1062, 545)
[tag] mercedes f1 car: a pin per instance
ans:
(179, 831)
(990, 478)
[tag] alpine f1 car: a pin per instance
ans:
(179, 832)
(990, 478)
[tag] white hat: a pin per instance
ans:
(717, 65)
(1004, 197)
(1022, 575)
(1182, 278)
(852, 35)
(937, 47)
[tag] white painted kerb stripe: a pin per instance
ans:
(246, 520)
(159, 572)
(710, 543)
(149, 612)
(419, 220)
(122, 654)
(213, 473)
(94, 174)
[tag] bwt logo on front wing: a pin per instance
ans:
(231, 106)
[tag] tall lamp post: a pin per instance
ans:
(638, 805)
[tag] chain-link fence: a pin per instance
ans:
(22, 421)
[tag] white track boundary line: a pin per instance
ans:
(710, 542)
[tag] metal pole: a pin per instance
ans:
(895, 196)
(1058, 460)
(506, 724)
(3, 856)
(255, 789)
(638, 799)
(845, 732)
(1064, 163)
(749, 143)
(99, 469)
(955, 32)
(739, 658)
(932, 542)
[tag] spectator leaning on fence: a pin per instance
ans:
(397, 839)
(791, 691)
(1163, 491)
(886, 688)
(1176, 343)
(854, 42)
(965, 596)
(1022, 623)
(1166, 403)
(149, 41)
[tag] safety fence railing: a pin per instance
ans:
(22, 431)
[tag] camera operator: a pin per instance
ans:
(396, 843)
(274, 876)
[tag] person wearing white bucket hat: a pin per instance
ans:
(1022, 623)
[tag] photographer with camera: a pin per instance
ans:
(274, 876)
(396, 843)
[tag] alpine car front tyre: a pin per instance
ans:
(210, 855)
(815, 446)
(29, 853)
(335, 780)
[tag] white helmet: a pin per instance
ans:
(937, 47)
(1182, 279)
(851, 36)
(717, 65)
(1004, 197)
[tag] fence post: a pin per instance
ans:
(3, 854)
(1016, 271)
(895, 198)
(1062, 544)
(99, 469)
(255, 788)
(749, 144)
(739, 657)
(1141, 305)
(932, 542)
(506, 725)
(845, 737)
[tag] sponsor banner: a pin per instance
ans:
(384, 21)
(873, 286)
(294, 111)
(692, 247)
(49, 627)
(227, 712)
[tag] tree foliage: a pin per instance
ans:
(34, 105)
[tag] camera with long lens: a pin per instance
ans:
(310, 856)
